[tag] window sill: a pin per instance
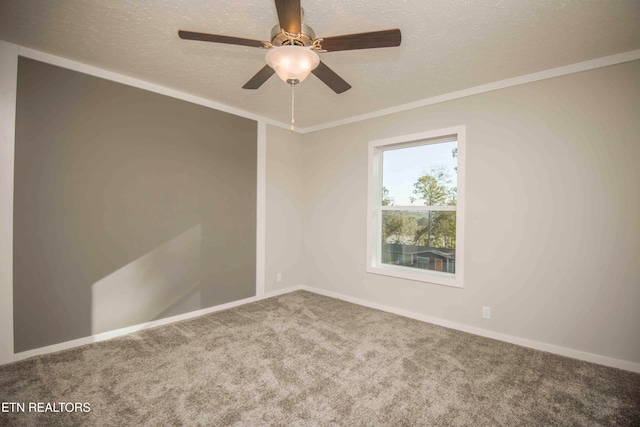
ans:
(427, 276)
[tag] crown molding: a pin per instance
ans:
(591, 64)
(139, 83)
(578, 67)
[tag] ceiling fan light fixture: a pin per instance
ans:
(292, 63)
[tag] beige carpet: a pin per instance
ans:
(303, 359)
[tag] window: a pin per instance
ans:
(416, 204)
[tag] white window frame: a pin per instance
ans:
(375, 209)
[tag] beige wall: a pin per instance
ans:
(284, 195)
(552, 233)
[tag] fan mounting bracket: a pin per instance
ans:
(279, 37)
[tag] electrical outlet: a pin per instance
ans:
(279, 277)
(486, 312)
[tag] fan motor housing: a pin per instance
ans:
(280, 38)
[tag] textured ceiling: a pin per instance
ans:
(446, 46)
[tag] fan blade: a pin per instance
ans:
(289, 15)
(330, 78)
(374, 39)
(190, 35)
(261, 76)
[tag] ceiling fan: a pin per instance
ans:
(293, 48)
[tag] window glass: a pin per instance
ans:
(420, 175)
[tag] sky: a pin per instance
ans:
(402, 167)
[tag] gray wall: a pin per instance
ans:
(552, 232)
(129, 206)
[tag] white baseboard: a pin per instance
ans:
(128, 330)
(550, 348)
(283, 291)
(142, 326)
(536, 345)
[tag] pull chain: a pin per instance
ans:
(293, 83)
(293, 90)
